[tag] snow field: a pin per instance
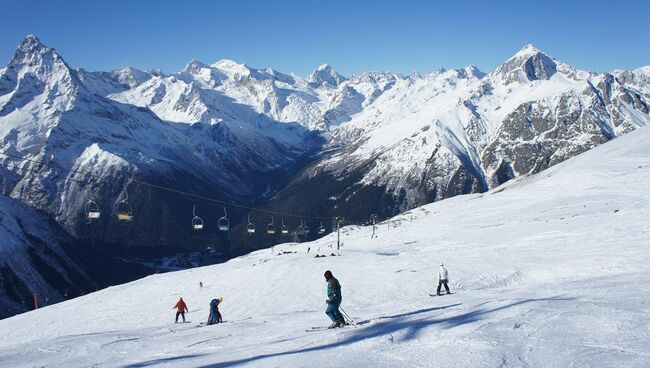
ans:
(549, 270)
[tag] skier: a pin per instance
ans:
(334, 300)
(181, 308)
(215, 315)
(201, 284)
(443, 277)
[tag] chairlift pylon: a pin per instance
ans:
(223, 222)
(250, 227)
(270, 228)
(123, 209)
(92, 211)
(197, 222)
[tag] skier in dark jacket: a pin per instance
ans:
(215, 315)
(334, 299)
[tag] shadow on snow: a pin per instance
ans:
(412, 328)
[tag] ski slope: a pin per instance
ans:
(550, 270)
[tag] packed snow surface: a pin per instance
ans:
(550, 270)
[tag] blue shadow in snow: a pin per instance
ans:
(411, 327)
(163, 360)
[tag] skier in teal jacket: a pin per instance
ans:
(334, 300)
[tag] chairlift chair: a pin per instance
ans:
(92, 211)
(123, 209)
(250, 228)
(301, 228)
(223, 222)
(284, 228)
(270, 228)
(197, 222)
(321, 229)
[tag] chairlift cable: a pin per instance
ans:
(132, 180)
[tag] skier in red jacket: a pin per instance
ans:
(181, 308)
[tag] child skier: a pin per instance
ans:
(215, 315)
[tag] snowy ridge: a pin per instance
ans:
(548, 270)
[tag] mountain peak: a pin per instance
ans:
(528, 64)
(232, 67)
(194, 65)
(324, 67)
(473, 71)
(528, 50)
(131, 76)
(28, 48)
(325, 74)
(31, 43)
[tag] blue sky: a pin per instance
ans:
(352, 36)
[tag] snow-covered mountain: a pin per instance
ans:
(326, 144)
(460, 131)
(33, 259)
(50, 112)
(549, 270)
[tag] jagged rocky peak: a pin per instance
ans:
(472, 71)
(639, 78)
(32, 52)
(30, 44)
(194, 66)
(528, 64)
(33, 65)
(325, 74)
(375, 77)
(131, 76)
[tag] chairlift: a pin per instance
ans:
(321, 229)
(223, 223)
(197, 222)
(250, 228)
(92, 211)
(270, 228)
(123, 209)
(301, 229)
(284, 228)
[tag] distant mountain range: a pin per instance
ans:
(325, 145)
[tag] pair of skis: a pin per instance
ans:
(439, 294)
(347, 321)
(322, 328)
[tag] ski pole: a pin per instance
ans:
(347, 317)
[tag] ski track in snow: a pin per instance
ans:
(549, 271)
